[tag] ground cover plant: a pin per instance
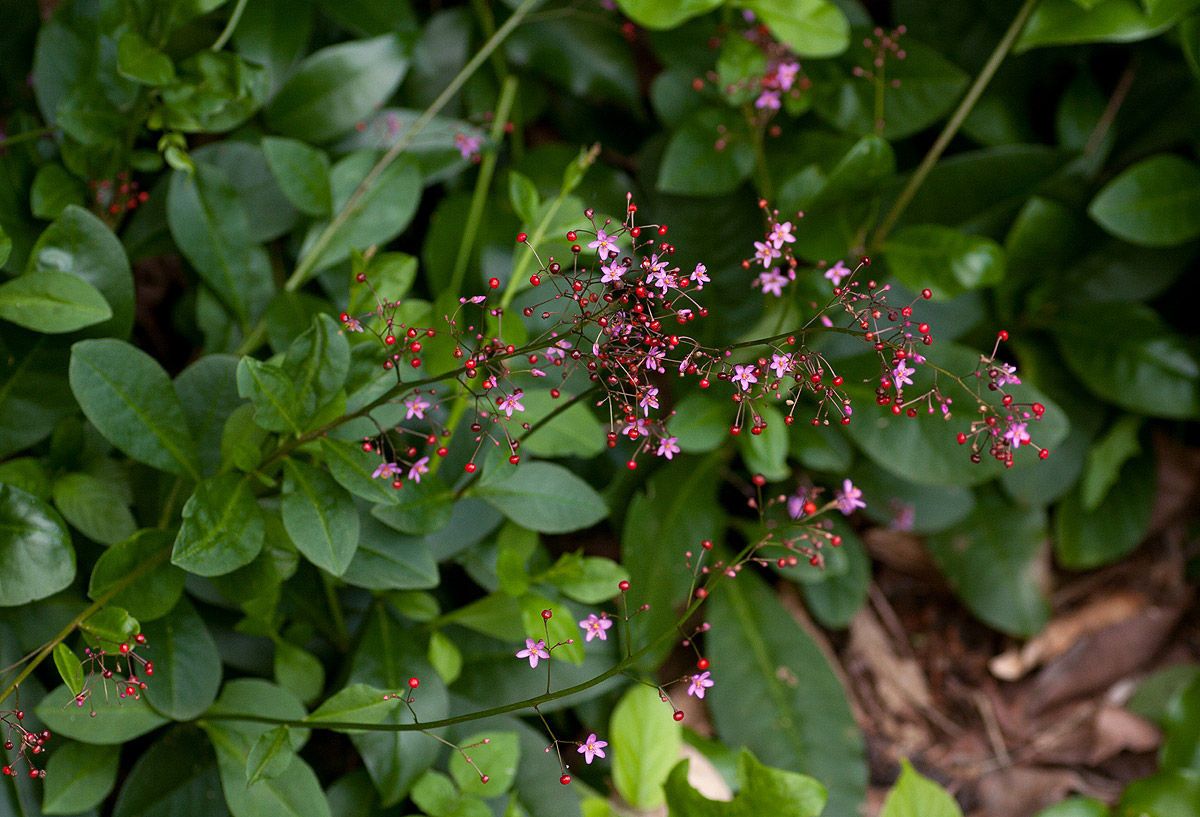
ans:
(556, 407)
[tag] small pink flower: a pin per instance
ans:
(649, 400)
(700, 276)
(780, 364)
(901, 375)
(418, 468)
(415, 407)
(837, 272)
(468, 146)
(744, 376)
(534, 650)
(768, 99)
(1017, 434)
(668, 447)
(604, 244)
(596, 627)
(592, 747)
(849, 498)
(765, 253)
(510, 403)
(772, 282)
(700, 683)
(785, 74)
(612, 272)
(781, 234)
(387, 470)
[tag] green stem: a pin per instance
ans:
(27, 136)
(956, 120)
(230, 26)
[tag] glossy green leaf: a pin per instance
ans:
(776, 695)
(69, 667)
(35, 549)
(386, 560)
(298, 671)
(109, 627)
(316, 365)
(918, 796)
(158, 585)
(835, 600)
(1076, 807)
(572, 433)
(319, 516)
(222, 529)
(766, 453)
(175, 776)
(1155, 203)
(117, 720)
(994, 569)
(141, 62)
(337, 87)
(761, 790)
(187, 667)
(498, 758)
(1106, 458)
(694, 166)
(1166, 794)
(271, 755)
(78, 777)
(302, 172)
(94, 507)
(128, 397)
(54, 188)
(245, 165)
(357, 703)
(352, 468)
(268, 387)
(943, 259)
(445, 656)
(661, 14)
(208, 391)
(645, 746)
(810, 28)
(586, 579)
(544, 497)
(1064, 22)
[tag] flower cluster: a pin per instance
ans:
(123, 669)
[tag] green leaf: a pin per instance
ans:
(1181, 750)
(116, 720)
(835, 600)
(523, 195)
(172, 777)
(445, 656)
(70, 668)
(776, 695)
(338, 86)
(692, 164)
(419, 507)
(54, 189)
(187, 667)
(141, 62)
(1155, 203)
(1146, 367)
(1064, 22)
(947, 261)
(645, 746)
(129, 398)
(1085, 539)
(357, 703)
(391, 274)
(35, 549)
(6, 246)
(208, 391)
(386, 560)
(95, 507)
(245, 165)
(544, 497)
(1106, 457)
(498, 759)
(268, 387)
(572, 433)
(298, 671)
(994, 568)
(811, 28)
(352, 468)
(1076, 807)
(562, 626)
(154, 592)
(78, 777)
(211, 227)
(766, 453)
(381, 214)
(109, 627)
(319, 517)
(271, 755)
(761, 790)
(662, 14)
(587, 579)
(316, 364)
(222, 528)
(917, 796)
(1166, 794)
(701, 424)
(302, 172)
(81, 244)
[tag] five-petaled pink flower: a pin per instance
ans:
(592, 747)
(785, 74)
(419, 467)
(649, 400)
(387, 470)
(780, 364)
(510, 403)
(596, 627)
(744, 376)
(1017, 434)
(837, 272)
(901, 375)
(612, 272)
(765, 253)
(699, 276)
(768, 99)
(415, 407)
(772, 282)
(1007, 373)
(534, 650)
(668, 447)
(782, 234)
(604, 245)
(468, 146)
(849, 498)
(699, 684)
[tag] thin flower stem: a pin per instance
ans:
(27, 136)
(230, 26)
(122, 583)
(955, 122)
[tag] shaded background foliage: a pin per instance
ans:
(144, 431)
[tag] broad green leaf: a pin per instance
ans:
(245, 165)
(917, 796)
(572, 433)
(694, 166)
(28, 474)
(208, 391)
(141, 62)
(947, 261)
(994, 569)
(172, 777)
(302, 172)
(316, 365)
(766, 453)
(762, 790)
(211, 226)
(110, 627)
(271, 755)
(810, 28)
(1146, 367)
(835, 600)
(1181, 750)
(35, 549)
(497, 758)
(561, 628)
(776, 695)
(222, 528)
(319, 516)
(391, 274)
(52, 302)
(386, 560)
(645, 746)
(216, 92)
(662, 14)
(156, 589)
(1064, 22)
(1166, 794)
(78, 777)
(268, 387)
(54, 188)
(298, 671)
(116, 720)
(1085, 539)
(418, 508)
(586, 579)
(382, 213)
(69, 667)
(523, 195)
(337, 87)
(275, 34)
(1106, 458)
(94, 507)
(1155, 203)
(352, 468)
(187, 667)
(445, 656)
(128, 397)
(357, 703)
(6, 246)
(545, 497)
(81, 244)
(701, 424)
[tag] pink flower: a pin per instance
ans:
(781, 234)
(558, 350)
(849, 498)
(534, 650)
(387, 470)
(415, 407)
(612, 272)
(780, 364)
(1017, 434)
(765, 253)
(1007, 373)
(592, 748)
(649, 400)
(768, 99)
(596, 627)
(468, 146)
(900, 375)
(419, 467)
(510, 403)
(785, 74)
(700, 683)
(744, 376)
(668, 447)
(604, 245)
(772, 282)
(837, 272)
(700, 275)
(352, 324)
(795, 503)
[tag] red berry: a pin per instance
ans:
(1002, 334)
(521, 237)
(547, 615)
(927, 294)
(1044, 453)
(124, 648)
(678, 715)
(535, 279)
(469, 468)
(413, 683)
(484, 779)
(623, 586)
(565, 779)
(701, 593)
(702, 663)
(571, 235)
(361, 277)
(494, 283)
